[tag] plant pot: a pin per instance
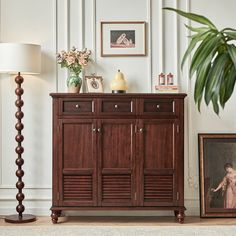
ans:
(74, 89)
(74, 83)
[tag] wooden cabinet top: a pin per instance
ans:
(112, 95)
(108, 104)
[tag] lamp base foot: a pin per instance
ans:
(17, 219)
(118, 91)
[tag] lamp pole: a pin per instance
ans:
(20, 208)
(17, 58)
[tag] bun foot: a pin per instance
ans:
(180, 216)
(55, 215)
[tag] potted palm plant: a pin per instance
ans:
(213, 60)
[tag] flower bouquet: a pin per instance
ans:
(74, 60)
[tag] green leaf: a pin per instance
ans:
(201, 79)
(232, 35)
(215, 103)
(228, 29)
(207, 46)
(198, 95)
(192, 44)
(223, 91)
(215, 76)
(232, 53)
(229, 84)
(199, 101)
(198, 18)
(198, 29)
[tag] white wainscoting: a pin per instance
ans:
(61, 24)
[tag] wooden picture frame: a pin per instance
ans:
(94, 84)
(217, 172)
(120, 38)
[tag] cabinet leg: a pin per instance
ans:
(180, 216)
(55, 215)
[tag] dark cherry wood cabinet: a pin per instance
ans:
(118, 152)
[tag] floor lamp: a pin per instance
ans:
(16, 58)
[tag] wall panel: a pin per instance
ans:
(135, 69)
(23, 26)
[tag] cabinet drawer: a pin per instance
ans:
(158, 106)
(117, 106)
(77, 107)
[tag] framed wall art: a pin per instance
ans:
(120, 38)
(94, 83)
(217, 164)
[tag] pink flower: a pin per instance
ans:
(73, 59)
(83, 62)
(70, 60)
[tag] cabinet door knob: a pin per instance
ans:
(116, 106)
(94, 129)
(141, 130)
(99, 130)
(77, 105)
(158, 106)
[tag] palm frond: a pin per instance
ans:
(213, 60)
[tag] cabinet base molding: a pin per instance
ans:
(178, 211)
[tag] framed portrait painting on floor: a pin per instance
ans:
(217, 166)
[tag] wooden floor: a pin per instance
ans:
(127, 221)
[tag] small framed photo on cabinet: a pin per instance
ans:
(217, 164)
(120, 38)
(94, 84)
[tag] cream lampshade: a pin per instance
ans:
(17, 57)
(20, 58)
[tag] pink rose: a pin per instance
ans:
(70, 60)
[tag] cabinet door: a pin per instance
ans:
(157, 158)
(116, 162)
(78, 177)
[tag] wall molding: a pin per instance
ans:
(192, 179)
(67, 24)
(3, 186)
(176, 51)
(82, 23)
(94, 31)
(55, 33)
(149, 34)
(161, 42)
(0, 101)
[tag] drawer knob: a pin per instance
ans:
(77, 105)
(116, 106)
(158, 106)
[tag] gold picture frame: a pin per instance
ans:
(94, 84)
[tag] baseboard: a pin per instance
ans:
(41, 207)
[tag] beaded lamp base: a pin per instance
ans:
(17, 219)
